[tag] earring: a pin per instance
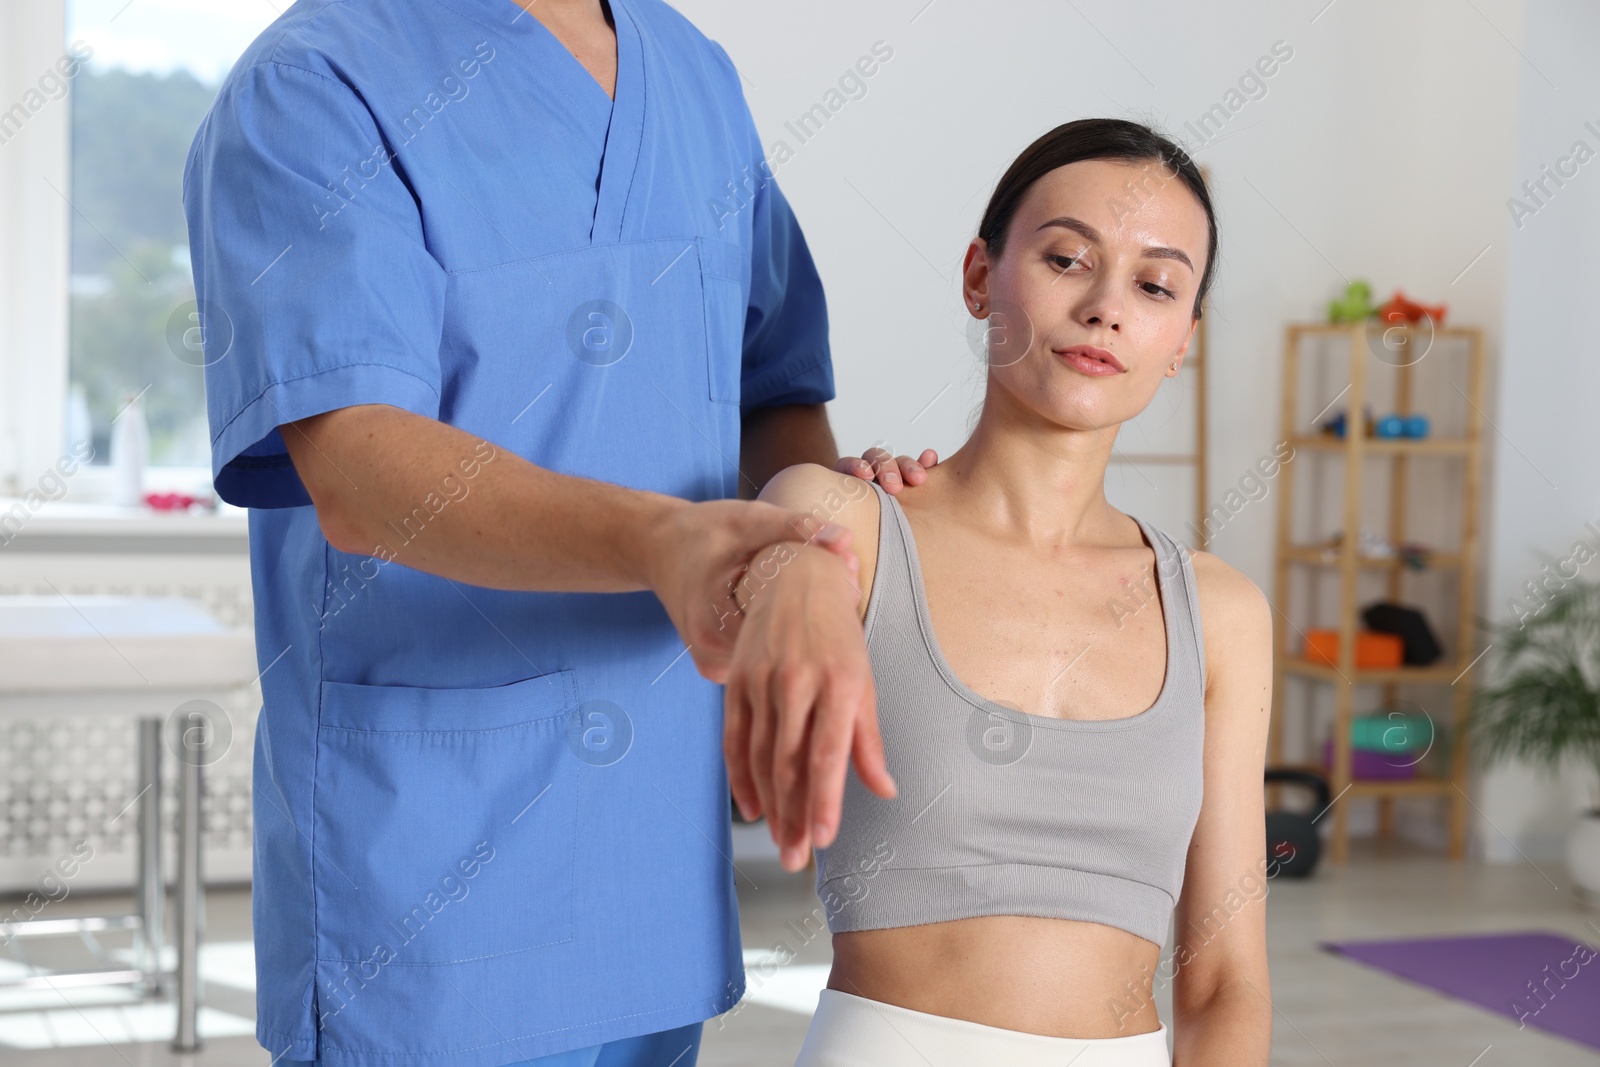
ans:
(1174, 366)
(977, 305)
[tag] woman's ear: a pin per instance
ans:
(1183, 349)
(975, 277)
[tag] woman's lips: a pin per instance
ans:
(1091, 360)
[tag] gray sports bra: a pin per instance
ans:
(1001, 812)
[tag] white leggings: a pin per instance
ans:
(852, 1031)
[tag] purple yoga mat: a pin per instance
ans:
(1540, 980)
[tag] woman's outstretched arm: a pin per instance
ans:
(1222, 1007)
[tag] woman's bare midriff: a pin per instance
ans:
(1056, 977)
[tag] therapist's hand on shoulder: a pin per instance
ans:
(892, 472)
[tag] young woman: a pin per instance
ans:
(1073, 705)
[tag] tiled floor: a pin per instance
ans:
(1330, 1011)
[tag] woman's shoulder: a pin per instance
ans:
(1235, 616)
(824, 496)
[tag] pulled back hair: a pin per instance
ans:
(1113, 139)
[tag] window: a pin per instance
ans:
(152, 69)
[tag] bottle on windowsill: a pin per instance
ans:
(130, 451)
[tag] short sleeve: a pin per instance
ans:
(311, 273)
(786, 355)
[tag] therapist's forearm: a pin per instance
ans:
(395, 485)
(390, 483)
(771, 439)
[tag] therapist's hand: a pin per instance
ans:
(800, 703)
(699, 555)
(891, 472)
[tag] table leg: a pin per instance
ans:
(151, 890)
(191, 899)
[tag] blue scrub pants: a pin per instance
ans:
(666, 1048)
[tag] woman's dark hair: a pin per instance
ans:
(1114, 139)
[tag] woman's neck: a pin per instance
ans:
(1040, 485)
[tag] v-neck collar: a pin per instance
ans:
(626, 130)
(538, 30)
(621, 115)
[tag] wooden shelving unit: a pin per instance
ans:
(1346, 560)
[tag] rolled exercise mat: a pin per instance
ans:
(1373, 650)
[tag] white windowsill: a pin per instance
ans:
(75, 518)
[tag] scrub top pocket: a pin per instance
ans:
(600, 364)
(722, 273)
(446, 822)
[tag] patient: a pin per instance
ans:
(1073, 705)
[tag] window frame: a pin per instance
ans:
(35, 267)
(35, 228)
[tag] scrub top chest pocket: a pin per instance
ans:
(619, 363)
(446, 820)
(723, 272)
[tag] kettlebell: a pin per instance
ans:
(1293, 846)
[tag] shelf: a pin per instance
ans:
(1324, 556)
(1421, 785)
(1434, 672)
(1350, 486)
(1389, 446)
(1344, 329)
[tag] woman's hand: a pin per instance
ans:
(891, 472)
(800, 701)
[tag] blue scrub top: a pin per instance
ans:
(489, 825)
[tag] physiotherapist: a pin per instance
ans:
(504, 316)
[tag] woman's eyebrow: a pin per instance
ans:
(1150, 252)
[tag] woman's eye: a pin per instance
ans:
(1159, 291)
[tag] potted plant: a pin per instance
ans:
(1545, 705)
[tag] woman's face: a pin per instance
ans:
(1101, 254)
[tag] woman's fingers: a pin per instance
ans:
(833, 733)
(736, 750)
(799, 685)
(794, 696)
(762, 736)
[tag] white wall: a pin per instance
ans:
(1547, 483)
(1382, 149)
(1385, 144)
